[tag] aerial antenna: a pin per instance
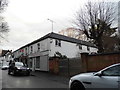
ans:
(51, 22)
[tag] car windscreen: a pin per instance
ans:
(19, 64)
(5, 64)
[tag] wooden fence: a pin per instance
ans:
(65, 67)
(96, 62)
(87, 63)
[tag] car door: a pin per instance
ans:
(109, 78)
(119, 80)
(119, 83)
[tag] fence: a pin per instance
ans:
(65, 67)
(97, 62)
(87, 63)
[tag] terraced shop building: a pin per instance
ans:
(37, 53)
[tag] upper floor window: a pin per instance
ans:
(38, 46)
(80, 47)
(31, 49)
(22, 51)
(26, 50)
(88, 48)
(58, 43)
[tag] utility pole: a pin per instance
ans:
(51, 22)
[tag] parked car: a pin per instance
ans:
(106, 78)
(4, 66)
(18, 68)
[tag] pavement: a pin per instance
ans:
(50, 76)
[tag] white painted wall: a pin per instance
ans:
(16, 54)
(94, 50)
(25, 51)
(71, 50)
(43, 46)
(48, 49)
(48, 46)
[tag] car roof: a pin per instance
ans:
(114, 64)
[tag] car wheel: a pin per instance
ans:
(77, 86)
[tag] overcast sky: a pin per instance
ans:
(27, 19)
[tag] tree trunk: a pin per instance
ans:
(99, 44)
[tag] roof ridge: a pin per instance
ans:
(59, 36)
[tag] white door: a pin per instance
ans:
(32, 64)
(44, 63)
(109, 79)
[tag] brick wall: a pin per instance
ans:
(54, 65)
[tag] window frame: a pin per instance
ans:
(57, 43)
(88, 48)
(26, 51)
(38, 46)
(31, 49)
(103, 74)
(37, 62)
(80, 46)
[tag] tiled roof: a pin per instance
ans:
(69, 39)
(61, 37)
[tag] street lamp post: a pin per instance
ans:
(51, 22)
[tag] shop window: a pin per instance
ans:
(30, 63)
(37, 62)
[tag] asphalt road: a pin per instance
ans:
(9, 81)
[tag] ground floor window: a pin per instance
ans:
(37, 62)
(30, 65)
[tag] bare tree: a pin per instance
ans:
(3, 24)
(94, 19)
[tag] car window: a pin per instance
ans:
(4, 63)
(112, 71)
(18, 64)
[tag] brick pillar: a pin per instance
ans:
(54, 65)
(84, 58)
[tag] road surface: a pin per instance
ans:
(10, 81)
